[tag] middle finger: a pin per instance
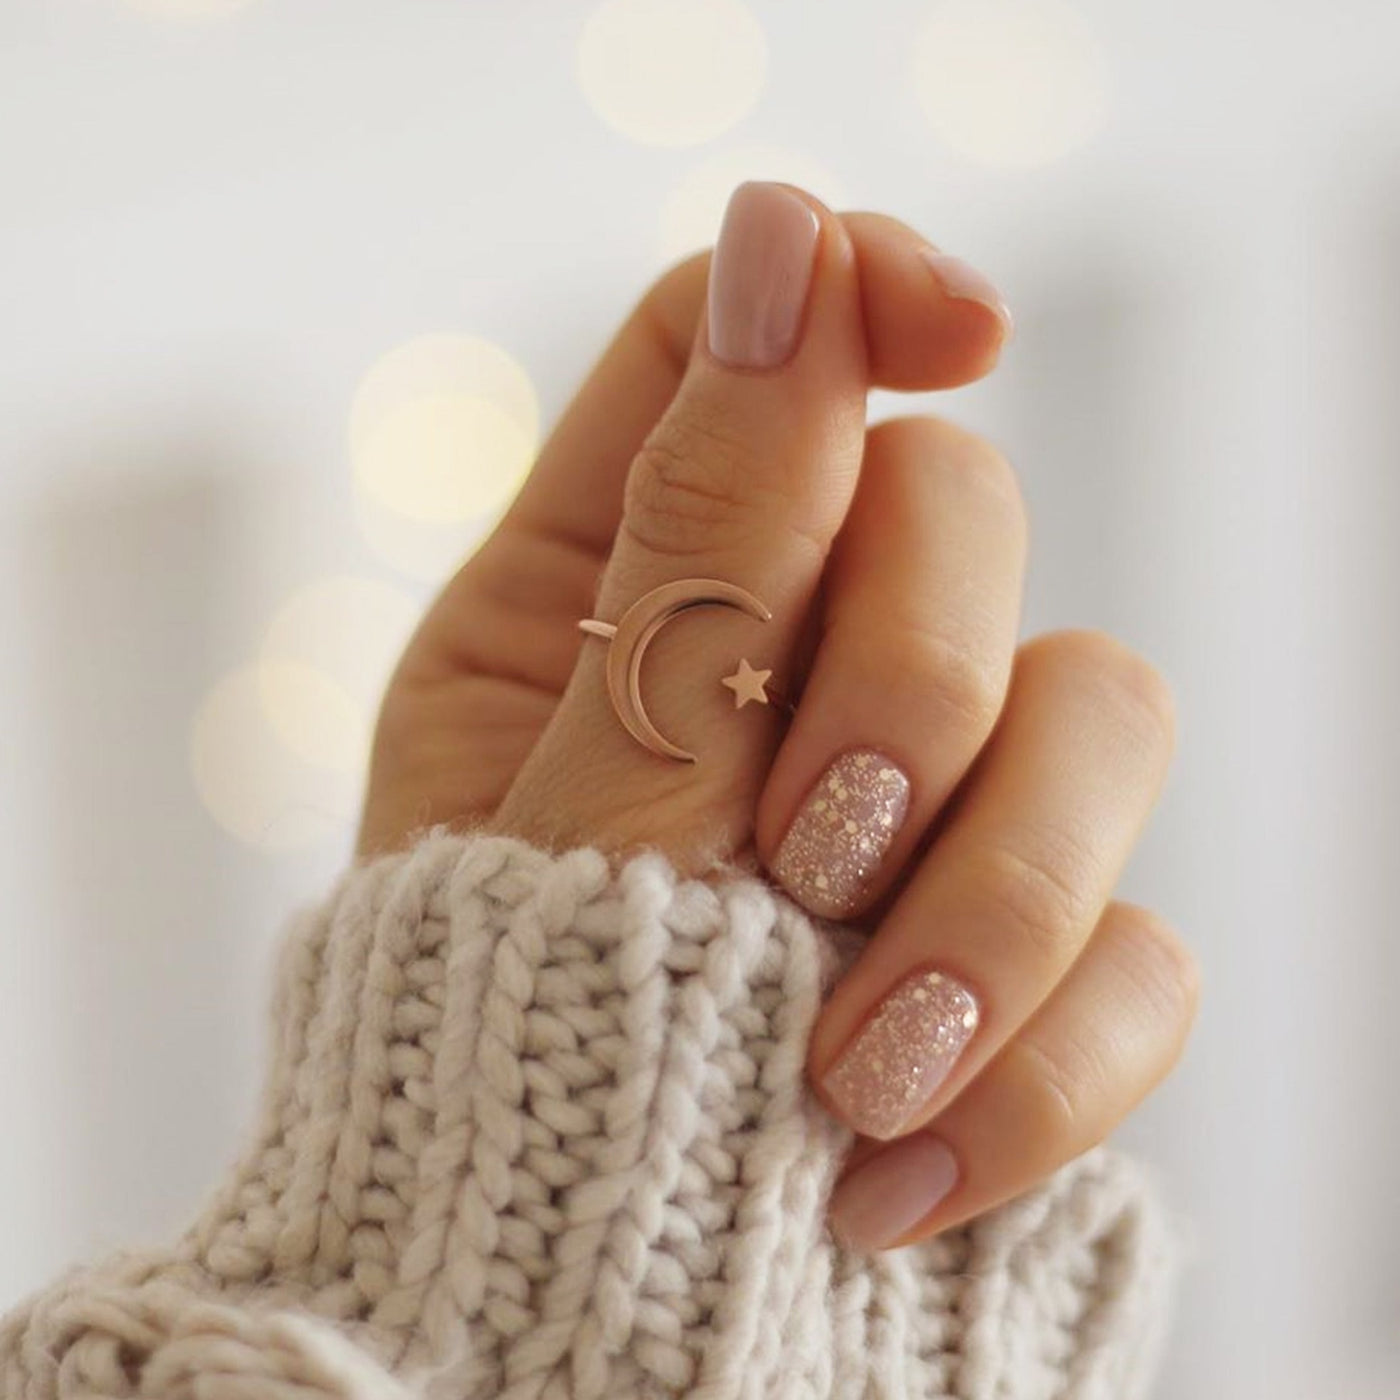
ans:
(918, 628)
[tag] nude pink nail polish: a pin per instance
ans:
(760, 276)
(902, 1054)
(888, 1195)
(964, 282)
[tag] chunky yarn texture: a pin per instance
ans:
(536, 1128)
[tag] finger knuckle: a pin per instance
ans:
(1033, 890)
(1165, 970)
(1051, 1095)
(1126, 682)
(955, 683)
(686, 486)
(975, 461)
(966, 687)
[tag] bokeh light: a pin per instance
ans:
(691, 214)
(252, 783)
(343, 635)
(1011, 83)
(443, 429)
(417, 549)
(672, 72)
(313, 715)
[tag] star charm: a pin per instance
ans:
(747, 684)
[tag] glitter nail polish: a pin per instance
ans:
(841, 833)
(902, 1054)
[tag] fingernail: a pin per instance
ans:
(963, 281)
(840, 834)
(892, 1192)
(759, 276)
(902, 1053)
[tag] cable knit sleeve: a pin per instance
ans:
(536, 1128)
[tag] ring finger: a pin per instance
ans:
(1008, 894)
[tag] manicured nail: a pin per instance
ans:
(888, 1195)
(759, 276)
(840, 834)
(963, 281)
(902, 1053)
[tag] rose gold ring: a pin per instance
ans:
(628, 641)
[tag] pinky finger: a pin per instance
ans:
(1107, 1035)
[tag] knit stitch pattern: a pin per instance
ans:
(536, 1128)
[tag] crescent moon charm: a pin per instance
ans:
(629, 639)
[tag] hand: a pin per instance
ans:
(972, 802)
(485, 672)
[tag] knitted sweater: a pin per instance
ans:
(536, 1127)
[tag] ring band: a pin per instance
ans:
(629, 638)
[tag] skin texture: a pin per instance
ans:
(892, 559)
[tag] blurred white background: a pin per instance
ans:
(254, 255)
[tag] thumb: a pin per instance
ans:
(745, 480)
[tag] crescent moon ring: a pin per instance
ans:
(628, 641)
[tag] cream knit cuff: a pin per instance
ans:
(535, 1128)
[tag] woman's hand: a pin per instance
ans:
(487, 668)
(975, 803)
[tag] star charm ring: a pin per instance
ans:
(629, 638)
